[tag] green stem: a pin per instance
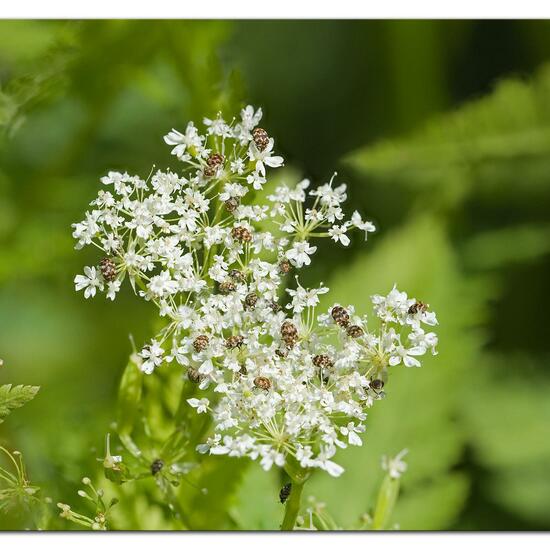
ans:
(292, 506)
(387, 497)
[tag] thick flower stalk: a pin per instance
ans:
(284, 383)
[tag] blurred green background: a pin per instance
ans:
(442, 131)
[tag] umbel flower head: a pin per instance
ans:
(280, 383)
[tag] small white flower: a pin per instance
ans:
(153, 355)
(237, 166)
(89, 282)
(407, 356)
(264, 158)
(338, 233)
(299, 254)
(182, 142)
(217, 126)
(351, 431)
(367, 227)
(335, 470)
(395, 466)
(200, 404)
(163, 284)
(113, 287)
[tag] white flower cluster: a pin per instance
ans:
(278, 382)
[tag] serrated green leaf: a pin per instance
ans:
(491, 145)
(13, 397)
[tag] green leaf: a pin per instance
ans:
(484, 146)
(524, 490)
(387, 497)
(129, 400)
(210, 502)
(507, 246)
(13, 397)
(508, 417)
(432, 505)
(513, 429)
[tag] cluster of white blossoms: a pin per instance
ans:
(279, 380)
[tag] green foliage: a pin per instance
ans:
(462, 205)
(129, 401)
(492, 153)
(476, 144)
(15, 489)
(13, 397)
(43, 80)
(509, 423)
